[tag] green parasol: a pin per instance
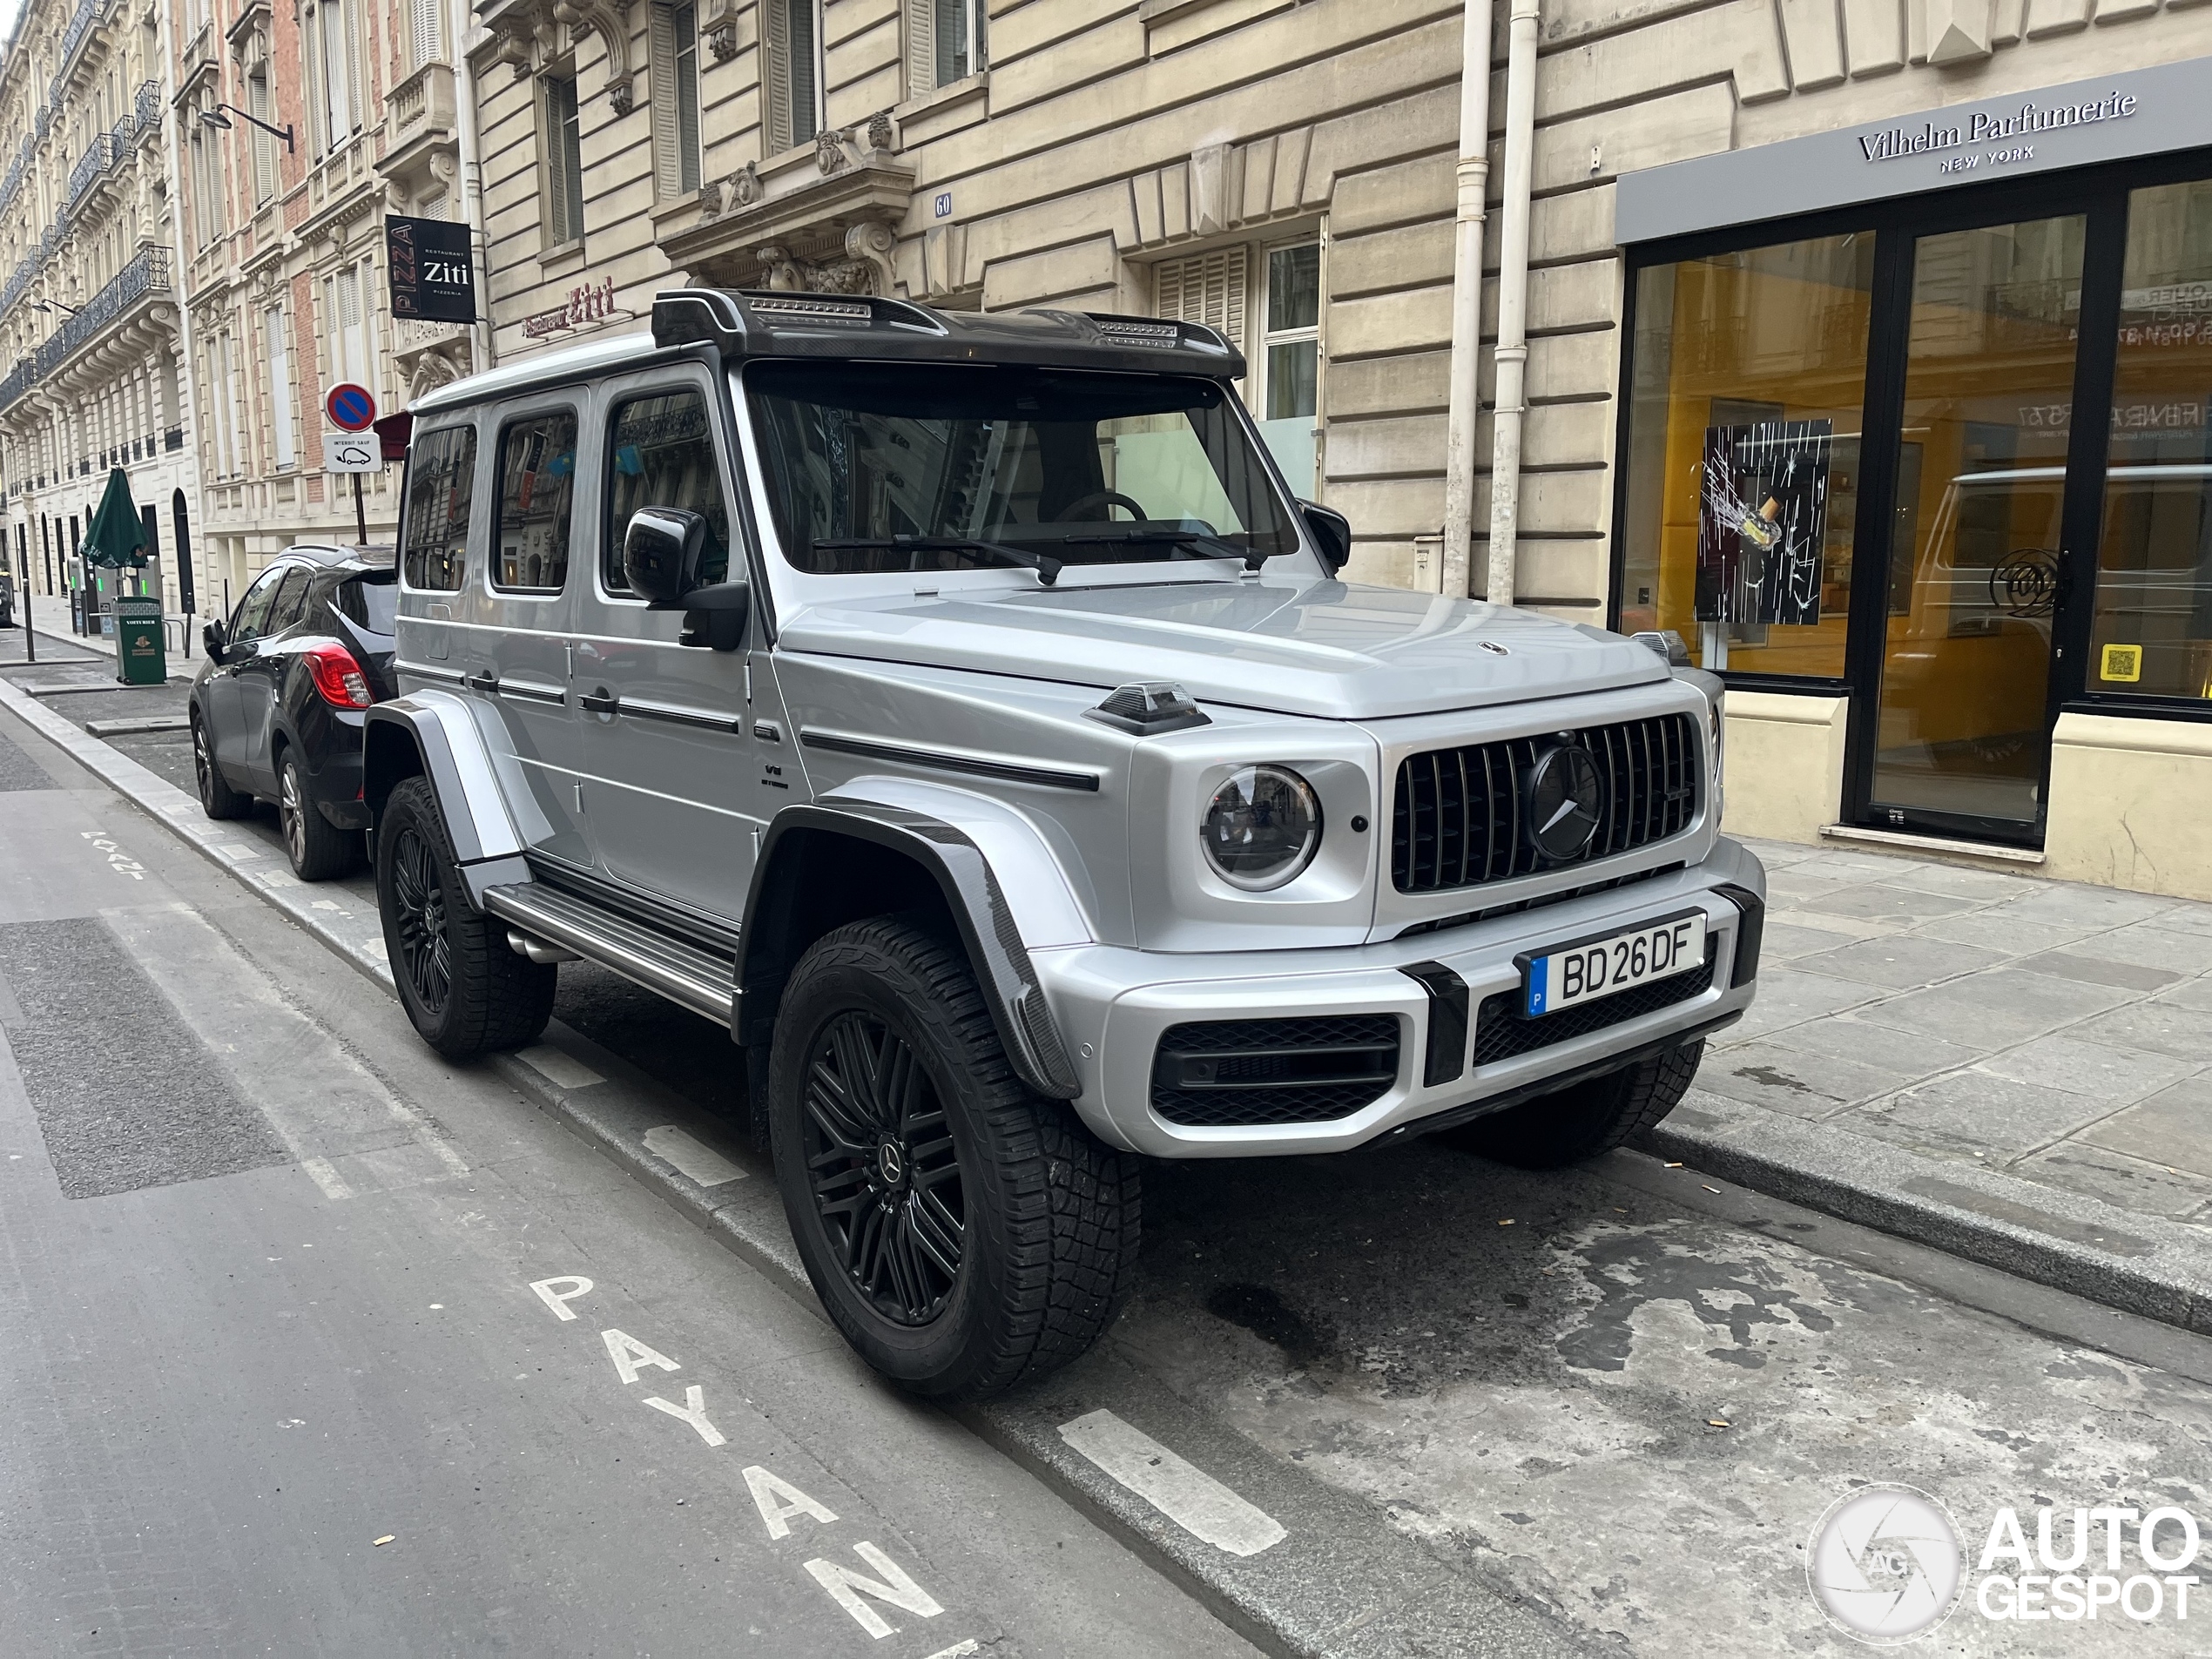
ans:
(118, 536)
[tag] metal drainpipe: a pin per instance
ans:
(472, 184)
(1465, 403)
(1513, 299)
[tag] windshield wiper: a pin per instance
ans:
(1048, 568)
(1182, 540)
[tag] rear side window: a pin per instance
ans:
(440, 477)
(252, 621)
(372, 603)
(291, 603)
(661, 453)
(536, 485)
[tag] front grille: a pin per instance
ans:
(1502, 1031)
(1223, 1074)
(1456, 820)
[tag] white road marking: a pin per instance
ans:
(558, 1069)
(777, 1500)
(692, 1411)
(701, 1162)
(551, 1292)
(1185, 1494)
(333, 1183)
(848, 1587)
(629, 1353)
(958, 1650)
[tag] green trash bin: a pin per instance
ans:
(140, 659)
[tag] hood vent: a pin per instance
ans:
(1147, 709)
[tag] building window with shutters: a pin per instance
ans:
(332, 54)
(944, 43)
(675, 70)
(426, 30)
(564, 150)
(283, 428)
(265, 161)
(345, 316)
(792, 32)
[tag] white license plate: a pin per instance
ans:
(1567, 974)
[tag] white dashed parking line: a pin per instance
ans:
(1185, 1494)
(692, 1157)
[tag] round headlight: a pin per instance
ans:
(1262, 827)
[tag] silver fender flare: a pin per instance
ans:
(438, 735)
(952, 855)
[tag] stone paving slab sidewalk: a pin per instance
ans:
(2011, 1067)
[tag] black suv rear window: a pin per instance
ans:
(371, 601)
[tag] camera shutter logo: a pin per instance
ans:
(1885, 1564)
(1566, 801)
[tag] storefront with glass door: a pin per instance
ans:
(1932, 452)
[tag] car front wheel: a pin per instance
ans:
(1584, 1119)
(964, 1235)
(467, 993)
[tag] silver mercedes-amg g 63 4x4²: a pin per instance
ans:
(960, 709)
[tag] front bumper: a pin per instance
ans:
(1114, 1004)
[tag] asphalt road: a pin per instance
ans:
(312, 1343)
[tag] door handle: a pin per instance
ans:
(485, 683)
(599, 702)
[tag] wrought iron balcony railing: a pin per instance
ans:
(146, 274)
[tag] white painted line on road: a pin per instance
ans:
(1184, 1493)
(895, 1587)
(958, 1650)
(332, 1185)
(701, 1162)
(558, 1069)
(692, 1411)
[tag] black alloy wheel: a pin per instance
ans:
(419, 918)
(464, 989)
(885, 1176)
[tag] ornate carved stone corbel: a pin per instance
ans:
(720, 29)
(870, 245)
(605, 21)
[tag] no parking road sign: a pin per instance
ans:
(350, 407)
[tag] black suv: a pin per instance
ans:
(277, 707)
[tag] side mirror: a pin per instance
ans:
(715, 617)
(660, 554)
(1331, 532)
(211, 637)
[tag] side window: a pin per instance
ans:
(536, 483)
(441, 477)
(291, 602)
(252, 621)
(660, 453)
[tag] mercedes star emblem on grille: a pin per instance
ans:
(1566, 801)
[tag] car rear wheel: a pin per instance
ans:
(318, 848)
(964, 1235)
(1586, 1119)
(217, 797)
(467, 993)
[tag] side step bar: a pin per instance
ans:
(700, 980)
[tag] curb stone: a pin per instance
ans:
(1344, 1582)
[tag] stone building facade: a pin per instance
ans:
(283, 249)
(90, 325)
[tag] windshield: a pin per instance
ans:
(879, 467)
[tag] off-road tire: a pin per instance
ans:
(491, 998)
(1586, 1119)
(217, 797)
(318, 848)
(1051, 1216)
